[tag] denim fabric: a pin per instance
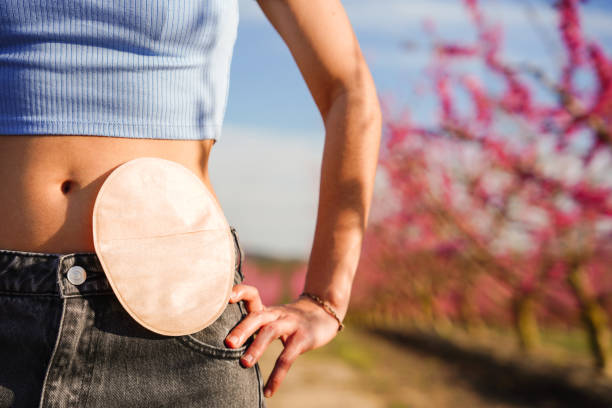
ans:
(63, 345)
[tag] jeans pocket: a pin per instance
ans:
(210, 341)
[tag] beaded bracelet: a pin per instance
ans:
(325, 305)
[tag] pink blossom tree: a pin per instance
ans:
(508, 205)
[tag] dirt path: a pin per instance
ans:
(360, 370)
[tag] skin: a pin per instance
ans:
(49, 182)
(321, 40)
(39, 215)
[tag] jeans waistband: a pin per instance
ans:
(45, 274)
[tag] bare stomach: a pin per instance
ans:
(48, 184)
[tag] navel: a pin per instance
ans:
(66, 186)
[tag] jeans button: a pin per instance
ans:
(76, 275)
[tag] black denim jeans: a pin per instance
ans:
(66, 345)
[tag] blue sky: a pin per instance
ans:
(265, 167)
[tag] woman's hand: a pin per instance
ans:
(301, 325)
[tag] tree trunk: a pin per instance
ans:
(470, 317)
(427, 309)
(594, 319)
(526, 323)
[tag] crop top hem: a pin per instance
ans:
(127, 130)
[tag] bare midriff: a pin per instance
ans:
(48, 184)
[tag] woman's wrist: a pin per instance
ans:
(332, 265)
(333, 295)
(325, 305)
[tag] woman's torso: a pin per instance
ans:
(146, 70)
(50, 182)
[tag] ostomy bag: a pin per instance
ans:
(164, 244)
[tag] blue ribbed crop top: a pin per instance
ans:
(126, 68)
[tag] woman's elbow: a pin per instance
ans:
(357, 94)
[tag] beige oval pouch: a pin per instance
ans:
(165, 245)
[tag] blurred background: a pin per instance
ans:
(485, 278)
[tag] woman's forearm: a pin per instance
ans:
(325, 48)
(350, 157)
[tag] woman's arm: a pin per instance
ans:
(321, 40)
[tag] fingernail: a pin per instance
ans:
(233, 340)
(267, 393)
(248, 358)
